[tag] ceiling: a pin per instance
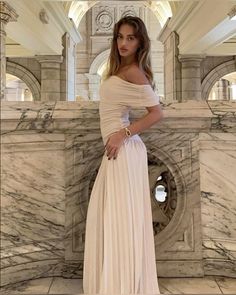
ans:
(198, 33)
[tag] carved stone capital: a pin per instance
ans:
(191, 57)
(49, 58)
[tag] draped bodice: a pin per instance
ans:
(117, 97)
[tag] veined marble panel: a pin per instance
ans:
(32, 206)
(50, 153)
(218, 201)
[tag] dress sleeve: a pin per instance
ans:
(148, 97)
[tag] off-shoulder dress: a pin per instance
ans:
(119, 254)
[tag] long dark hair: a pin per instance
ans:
(142, 54)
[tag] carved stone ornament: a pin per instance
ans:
(43, 16)
(129, 10)
(104, 20)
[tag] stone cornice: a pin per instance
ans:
(69, 117)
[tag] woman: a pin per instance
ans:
(119, 256)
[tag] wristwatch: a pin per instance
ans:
(127, 132)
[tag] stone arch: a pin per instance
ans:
(98, 62)
(214, 75)
(93, 74)
(26, 76)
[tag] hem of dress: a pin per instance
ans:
(157, 293)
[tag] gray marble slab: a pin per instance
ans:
(50, 156)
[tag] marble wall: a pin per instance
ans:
(50, 155)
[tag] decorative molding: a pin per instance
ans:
(49, 58)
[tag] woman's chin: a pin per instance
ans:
(124, 52)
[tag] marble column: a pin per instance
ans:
(223, 89)
(50, 77)
(191, 77)
(7, 14)
(232, 91)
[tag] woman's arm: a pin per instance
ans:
(154, 115)
(114, 142)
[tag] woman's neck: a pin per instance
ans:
(128, 61)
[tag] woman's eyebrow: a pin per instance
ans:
(127, 35)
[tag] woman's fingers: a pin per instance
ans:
(112, 145)
(115, 154)
(109, 150)
(111, 153)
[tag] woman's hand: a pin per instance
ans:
(114, 143)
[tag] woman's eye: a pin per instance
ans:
(129, 38)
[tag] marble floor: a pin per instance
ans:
(57, 285)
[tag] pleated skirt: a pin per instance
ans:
(119, 254)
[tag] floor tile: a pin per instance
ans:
(36, 286)
(66, 286)
(227, 285)
(58, 285)
(189, 286)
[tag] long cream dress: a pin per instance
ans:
(119, 256)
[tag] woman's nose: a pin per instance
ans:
(123, 41)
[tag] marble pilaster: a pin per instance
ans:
(7, 14)
(50, 77)
(191, 76)
(68, 69)
(172, 66)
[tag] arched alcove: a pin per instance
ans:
(26, 76)
(16, 89)
(216, 74)
(224, 88)
(98, 62)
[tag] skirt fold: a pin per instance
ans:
(119, 256)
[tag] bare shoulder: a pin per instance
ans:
(135, 75)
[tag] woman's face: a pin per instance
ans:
(127, 43)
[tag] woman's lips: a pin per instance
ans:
(123, 49)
